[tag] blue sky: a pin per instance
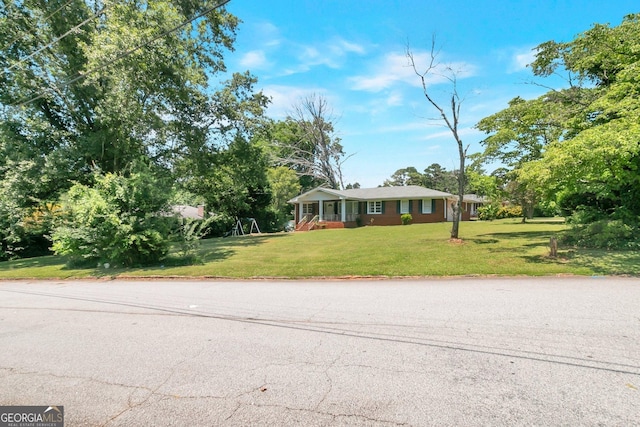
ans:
(353, 54)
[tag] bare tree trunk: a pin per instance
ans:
(461, 182)
(451, 120)
(319, 154)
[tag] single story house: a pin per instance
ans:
(473, 202)
(377, 206)
(188, 212)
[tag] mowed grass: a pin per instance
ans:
(505, 247)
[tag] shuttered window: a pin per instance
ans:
(428, 206)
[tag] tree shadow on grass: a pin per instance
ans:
(219, 249)
(516, 242)
(44, 261)
(603, 262)
(216, 249)
(520, 235)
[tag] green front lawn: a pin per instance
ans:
(504, 247)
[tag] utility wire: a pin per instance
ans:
(74, 29)
(46, 18)
(126, 53)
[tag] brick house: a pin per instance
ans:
(327, 208)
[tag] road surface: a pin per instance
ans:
(547, 351)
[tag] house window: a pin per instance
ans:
(404, 206)
(374, 207)
(307, 208)
(352, 207)
(427, 207)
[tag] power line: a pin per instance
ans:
(74, 29)
(46, 18)
(126, 53)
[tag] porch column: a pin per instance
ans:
(300, 211)
(343, 210)
(321, 210)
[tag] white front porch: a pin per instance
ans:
(331, 210)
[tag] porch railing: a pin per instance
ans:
(338, 217)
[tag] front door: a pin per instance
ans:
(329, 211)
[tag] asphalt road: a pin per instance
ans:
(551, 351)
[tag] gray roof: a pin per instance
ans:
(185, 211)
(474, 198)
(377, 193)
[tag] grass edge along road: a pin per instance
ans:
(504, 248)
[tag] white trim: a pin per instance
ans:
(377, 207)
(426, 206)
(405, 206)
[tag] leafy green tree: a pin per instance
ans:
(405, 176)
(233, 181)
(519, 134)
(114, 89)
(88, 84)
(595, 164)
(435, 177)
(284, 186)
(438, 178)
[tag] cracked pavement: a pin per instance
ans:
(547, 351)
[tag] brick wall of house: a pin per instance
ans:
(391, 215)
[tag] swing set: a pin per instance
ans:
(238, 228)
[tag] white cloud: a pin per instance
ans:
(268, 33)
(521, 61)
(340, 46)
(395, 69)
(332, 54)
(284, 98)
(254, 59)
(395, 99)
(446, 134)
(517, 59)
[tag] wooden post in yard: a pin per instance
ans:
(553, 246)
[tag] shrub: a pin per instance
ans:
(189, 233)
(218, 225)
(509, 212)
(117, 221)
(603, 234)
(546, 209)
(406, 219)
(488, 212)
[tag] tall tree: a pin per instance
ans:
(88, 84)
(438, 178)
(450, 117)
(285, 186)
(405, 176)
(103, 83)
(520, 134)
(594, 165)
(313, 149)
(435, 177)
